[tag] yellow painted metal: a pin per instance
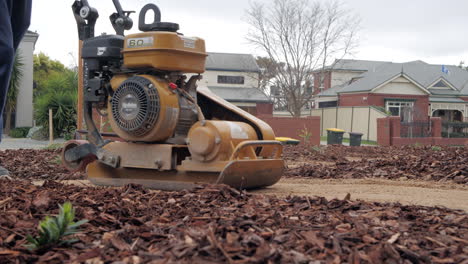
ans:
(264, 130)
(237, 173)
(214, 140)
(167, 51)
(103, 175)
(143, 156)
(168, 112)
(250, 174)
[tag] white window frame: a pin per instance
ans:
(399, 105)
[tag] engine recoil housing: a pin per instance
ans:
(144, 108)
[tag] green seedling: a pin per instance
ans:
(436, 148)
(53, 231)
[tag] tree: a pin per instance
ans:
(300, 36)
(13, 90)
(44, 68)
(268, 72)
(60, 93)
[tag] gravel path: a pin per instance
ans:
(406, 192)
(25, 143)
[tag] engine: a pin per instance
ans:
(171, 136)
(141, 83)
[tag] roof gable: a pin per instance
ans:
(441, 83)
(403, 77)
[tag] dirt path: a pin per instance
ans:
(406, 192)
(453, 196)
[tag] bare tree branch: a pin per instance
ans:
(301, 36)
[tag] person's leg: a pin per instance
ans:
(20, 20)
(7, 53)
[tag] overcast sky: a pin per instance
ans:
(434, 31)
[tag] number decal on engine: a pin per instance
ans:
(140, 42)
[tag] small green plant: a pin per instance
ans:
(54, 230)
(69, 135)
(56, 160)
(317, 149)
(436, 148)
(54, 146)
(305, 134)
(19, 132)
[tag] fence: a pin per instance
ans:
(454, 130)
(417, 129)
(392, 133)
(351, 119)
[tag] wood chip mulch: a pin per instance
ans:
(217, 224)
(409, 162)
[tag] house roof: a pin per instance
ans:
(332, 92)
(237, 94)
(231, 62)
(355, 65)
(421, 73)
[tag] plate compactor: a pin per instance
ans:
(171, 135)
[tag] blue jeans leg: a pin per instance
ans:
(15, 17)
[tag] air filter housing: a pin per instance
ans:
(136, 106)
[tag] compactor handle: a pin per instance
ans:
(157, 25)
(249, 146)
(121, 20)
(85, 17)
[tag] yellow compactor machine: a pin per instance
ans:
(171, 135)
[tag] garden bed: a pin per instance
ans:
(217, 224)
(409, 162)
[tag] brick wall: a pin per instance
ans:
(388, 130)
(326, 81)
(421, 103)
(360, 99)
(291, 127)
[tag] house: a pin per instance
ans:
(23, 115)
(413, 90)
(234, 77)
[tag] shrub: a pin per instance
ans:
(53, 230)
(41, 134)
(19, 132)
(60, 95)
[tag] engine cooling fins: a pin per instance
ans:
(136, 105)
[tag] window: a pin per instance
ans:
(230, 79)
(402, 109)
(328, 104)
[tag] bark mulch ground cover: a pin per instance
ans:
(409, 162)
(217, 224)
(36, 165)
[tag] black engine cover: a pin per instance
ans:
(103, 48)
